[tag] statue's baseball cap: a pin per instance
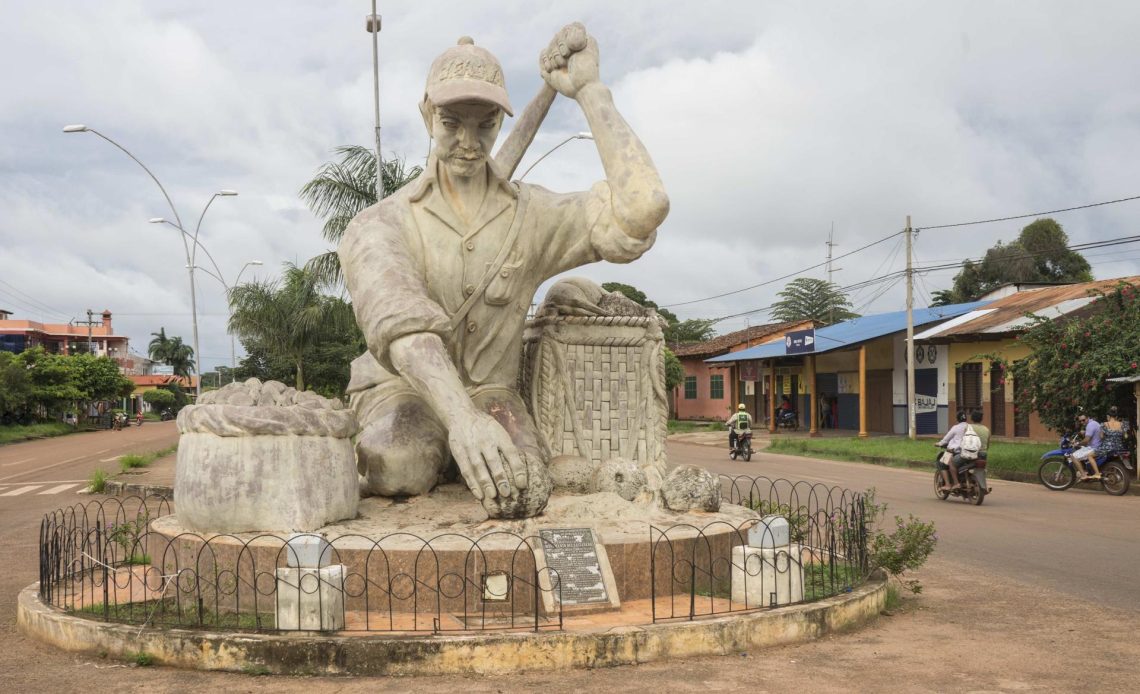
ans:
(466, 72)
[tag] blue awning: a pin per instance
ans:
(853, 332)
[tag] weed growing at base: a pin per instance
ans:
(133, 460)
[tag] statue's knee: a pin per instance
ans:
(399, 467)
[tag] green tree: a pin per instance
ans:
(1040, 254)
(172, 352)
(343, 188)
(158, 349)
(807, 298)
(676, 331)
(674, 372)
(1072, 356)
(158, 398)
(288, 317)
(15, 385)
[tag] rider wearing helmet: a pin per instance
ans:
(738, 424)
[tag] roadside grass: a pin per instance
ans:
(23, 432)
(97, 482)
(895, 450)
(134, 460)
(678, 426)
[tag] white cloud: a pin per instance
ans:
(768, 122)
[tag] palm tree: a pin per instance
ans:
(340, 190)
(287, 316)
(180, 357)
(159, 347)
(172, 352)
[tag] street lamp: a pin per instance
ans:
(579, 136)
(80, 128)
(229, 288)
(372, 26)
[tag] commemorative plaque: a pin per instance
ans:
(583, 571)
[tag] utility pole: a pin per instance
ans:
(90, 349)
(910, 404)
(830, 245)
(373, 27)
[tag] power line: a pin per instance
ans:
(29, 300)
(1031, 214)
(784, 277)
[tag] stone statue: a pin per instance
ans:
(442, 274)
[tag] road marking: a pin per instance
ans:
(17, 462)
(20, 490)
(107, 460)
(102, 451)
(57, 490)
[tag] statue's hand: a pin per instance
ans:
(570, 62)
(486, 456)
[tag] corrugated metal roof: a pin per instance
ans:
(722, 343)
(855, 331)
(1007, 314)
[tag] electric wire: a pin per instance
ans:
(1031, 214)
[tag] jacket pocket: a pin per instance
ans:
(505, 284)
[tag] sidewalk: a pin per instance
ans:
(154, 479)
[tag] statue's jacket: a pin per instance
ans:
(412, 266)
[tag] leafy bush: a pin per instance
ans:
(905, 549)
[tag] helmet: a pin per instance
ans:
(741, 407)
(961, 415)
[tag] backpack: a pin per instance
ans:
(971, 444)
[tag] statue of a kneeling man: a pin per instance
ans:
(442, 274)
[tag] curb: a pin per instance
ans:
(118, 488)
(463, 654)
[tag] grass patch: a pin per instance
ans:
(824, 580)
(141, 659)
(894, 598)
(134, 460)
(166, 612)
(899, 450)
(23, 432)
(678, 426)
(97, 482)
(255, 670)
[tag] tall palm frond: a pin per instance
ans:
(340, 190)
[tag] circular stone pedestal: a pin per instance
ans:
(443, 544)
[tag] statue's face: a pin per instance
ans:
(464, 135)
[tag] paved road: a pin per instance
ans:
(1079, 542)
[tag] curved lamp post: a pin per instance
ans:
(79, 128)
(229, 288)
(579, 136)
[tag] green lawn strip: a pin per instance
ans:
(133, 460)
(678, 426)
(21, 432)
(1003, 456)
(167, 612)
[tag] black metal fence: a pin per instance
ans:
(103, 560)
(108, 560)
(820, 550)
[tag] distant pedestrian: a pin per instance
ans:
(824, 411)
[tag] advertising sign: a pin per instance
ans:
(800, 342)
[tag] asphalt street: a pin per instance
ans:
(1079, 542)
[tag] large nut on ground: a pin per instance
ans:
(288, 466)
(622, 477)
(690, 488)
(573, 473)
(528, 502)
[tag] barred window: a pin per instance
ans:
(690, 387)
(716, 387)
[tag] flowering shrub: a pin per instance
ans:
(1071, 358)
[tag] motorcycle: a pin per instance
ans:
(1058, 472)
(743, 447)
(166, 415)
(789, 419)
(971, 475)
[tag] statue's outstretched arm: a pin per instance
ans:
(639, 200)
(487, 458)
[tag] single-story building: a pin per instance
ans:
(858, 368)
(970, 340)
(712, 391)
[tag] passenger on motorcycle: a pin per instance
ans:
(956, 461)
(738, 424)
(1092, 436)
(952, 441)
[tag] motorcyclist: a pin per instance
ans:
(952, 442)
(738, 424)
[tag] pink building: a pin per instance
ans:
(63, 338)
(713, 392)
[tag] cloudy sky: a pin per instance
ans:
(770, 123)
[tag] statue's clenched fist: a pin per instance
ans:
(570, 62)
